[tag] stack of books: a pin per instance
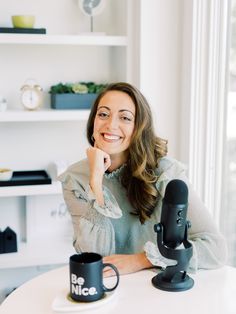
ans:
(17, 30)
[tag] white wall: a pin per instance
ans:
(160, 65)
(165, 68)
(186, 60)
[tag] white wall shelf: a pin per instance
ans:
(38, 139)
(43, 115)
(86, 40)
(25, 190)
(43, 253)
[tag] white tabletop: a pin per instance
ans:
(214, 292)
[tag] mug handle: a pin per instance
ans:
(117, 276)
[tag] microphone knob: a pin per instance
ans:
(179, 221)
(157, 228)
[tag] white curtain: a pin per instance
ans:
(228, 213)
(212, 141)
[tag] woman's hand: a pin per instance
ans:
(126, 263)
(99, 162)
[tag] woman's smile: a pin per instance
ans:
(108, 137)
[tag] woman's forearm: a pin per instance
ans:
(127, 263)
(144, 261)
(96, 187)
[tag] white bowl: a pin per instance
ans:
(5, 174)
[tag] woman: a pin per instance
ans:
(115, 195)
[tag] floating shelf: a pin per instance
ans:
(34, 254)
(25, 190)
(43, 115)
(86, 40)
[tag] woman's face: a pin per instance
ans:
(114, 123)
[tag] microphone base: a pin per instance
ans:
(178, 283)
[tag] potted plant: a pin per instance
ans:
(74, 96)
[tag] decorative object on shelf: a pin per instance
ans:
(5, 174)
(53, 222)
(3, 103)
(31, 95)
(8, 241)
(92, 8)
(23, 21)
(31, 177)
(74, 96)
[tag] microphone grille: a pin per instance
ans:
(176, 192)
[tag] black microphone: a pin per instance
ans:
(172, 231)
(174, 212)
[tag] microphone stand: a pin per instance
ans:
(174, 278)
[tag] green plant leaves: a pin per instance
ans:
(78, 88)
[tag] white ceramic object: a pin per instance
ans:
(63, 304)
(5, 174)
(3, 103)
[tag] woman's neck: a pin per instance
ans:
(117, 161)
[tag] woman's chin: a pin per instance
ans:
(107, 149)
(111, 150)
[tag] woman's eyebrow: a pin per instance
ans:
(104, 107)
(122, 110)
(126, 110)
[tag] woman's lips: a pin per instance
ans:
(111, 137)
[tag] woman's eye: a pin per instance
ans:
(103, 114)
(127, 119)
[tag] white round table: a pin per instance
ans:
(214, 292)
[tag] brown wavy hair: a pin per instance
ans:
(145, 151)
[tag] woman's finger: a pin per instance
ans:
(107, 162)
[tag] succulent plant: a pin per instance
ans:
(77, 88)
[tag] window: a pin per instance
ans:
(228, 214)
(212, 140)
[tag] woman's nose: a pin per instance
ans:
(113, 122)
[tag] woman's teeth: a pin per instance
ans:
(111, 137)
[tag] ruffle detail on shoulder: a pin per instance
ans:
(169, 169)
(116, 173)
(68, 181)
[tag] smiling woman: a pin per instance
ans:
(138, 146)
(115, 195)
(114, 126)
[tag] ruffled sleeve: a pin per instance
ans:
(93, 231)
(209, 246)
(154, 256)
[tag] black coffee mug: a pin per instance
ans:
(86, 277)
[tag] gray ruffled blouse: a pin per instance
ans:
(112, 229)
